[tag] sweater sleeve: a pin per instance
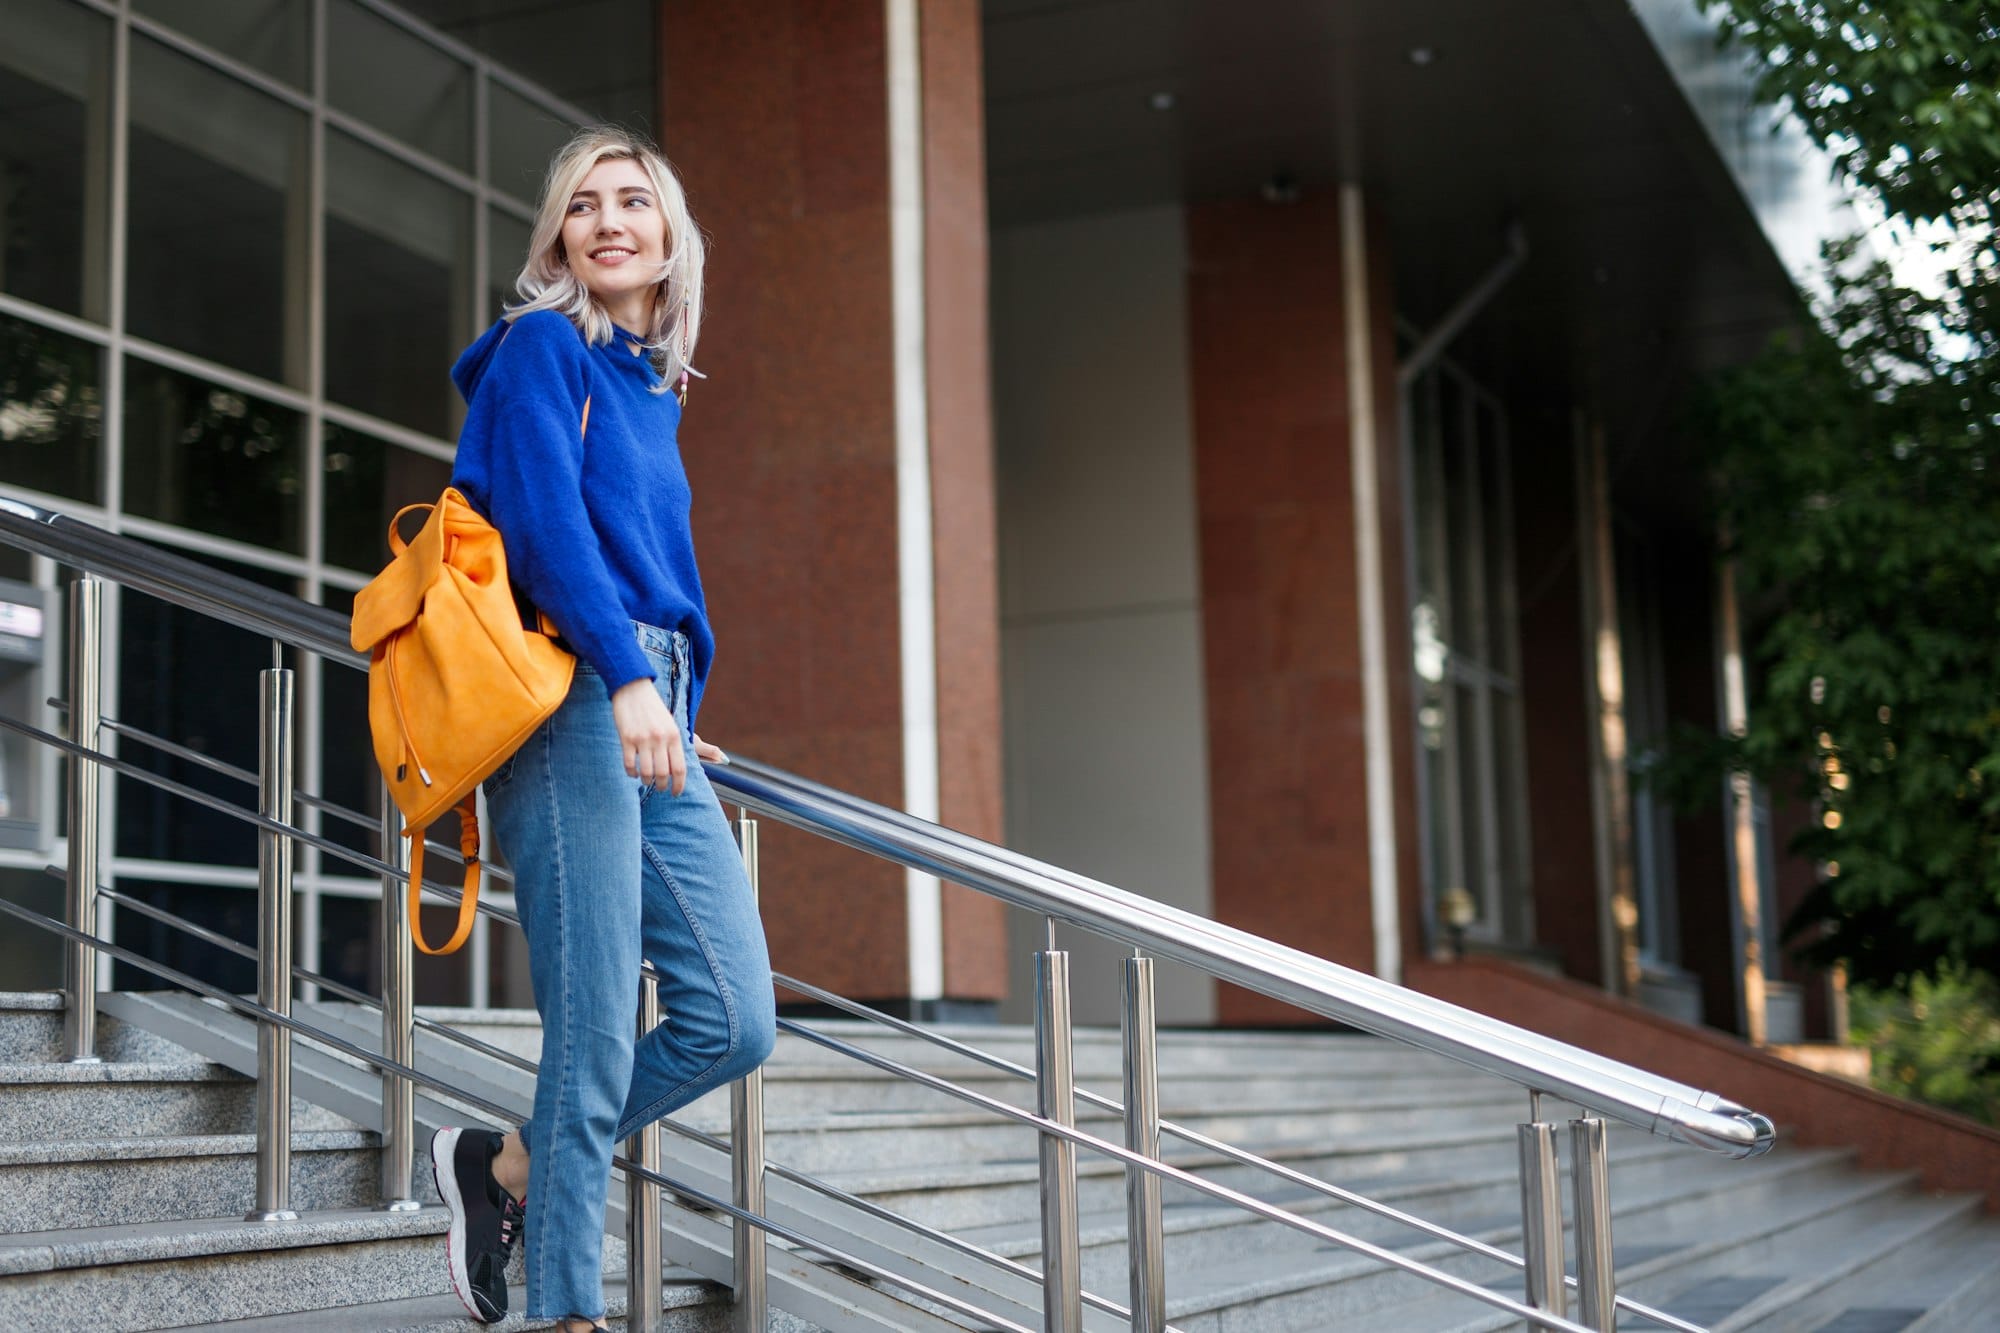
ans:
(525, 426)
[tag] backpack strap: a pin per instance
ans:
(468, 904)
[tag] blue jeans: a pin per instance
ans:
(607, 870)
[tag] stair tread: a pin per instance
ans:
(680, 1290)
(140, 1147)
(117, 1071)
(141, 1242)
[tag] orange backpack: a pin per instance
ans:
(455, 681)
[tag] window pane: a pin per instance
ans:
(521, 137)
(399, 83)
(54, 77)
(398, 261)
(347, 771)
(270, 36)
(506, 252)
(367, 481)
(217, 253)
(193, 680)
(211, 458)
(51, 412)
(611, 79)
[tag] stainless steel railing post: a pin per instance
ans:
(746, 1149)
(86, 624)
(1055, 1086)
(1541, 1218)
(274, 952)
(644, 1295)
(399, 1021)
(1590, 1180)
(1145, 1240)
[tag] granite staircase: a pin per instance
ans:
(125, 1182)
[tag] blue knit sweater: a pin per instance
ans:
(595, 520)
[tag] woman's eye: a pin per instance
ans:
(640, 201)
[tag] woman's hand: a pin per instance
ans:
(650, 736)
(708, 754)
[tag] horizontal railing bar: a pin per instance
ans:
(1229, 1151)
(176, 578)
(1248, 1203)
(339, 988)
(1271, 969)
(1606, 1086)
(244, 775)
(374, 865)
(1225, 937)
(897, 1220)
(532, 1067)
(373, 1059)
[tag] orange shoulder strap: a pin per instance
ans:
(468, 905)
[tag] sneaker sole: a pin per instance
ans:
(444, 1147)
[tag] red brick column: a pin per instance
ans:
(776, 115)
(1281, 631)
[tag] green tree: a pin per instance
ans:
(1858, 479)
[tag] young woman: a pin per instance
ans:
(618, 846)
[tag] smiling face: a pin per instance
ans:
(615, 239)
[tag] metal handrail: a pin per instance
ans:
(264, 1014)
(1543, 1066)
(1628, 1094)
(1631, 1095)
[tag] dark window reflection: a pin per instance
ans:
(367, 481)
(31, 958)
(51, 411)
(348, 951)
(211, 458)
(194, 681)
(348, 775)
(53, 205)
(217, 250)
(230, 912)
(271, 36)
(398, 265)
(521, 136)
(396, 81)
(611, 79)
(506, 252)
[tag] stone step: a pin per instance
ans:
(31, 1030)
(953, 1196)
(1822, 1285)
(689, 1305)
(1217, 1233)
(172, 1274)
(1211, 1249)
(856, 1140)
(44, 1101)
(160, 1178)
(1711, 1271)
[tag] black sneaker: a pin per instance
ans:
(485, 1219)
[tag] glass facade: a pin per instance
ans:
(1471, 754)
(240, 243)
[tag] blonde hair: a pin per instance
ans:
(546, 281)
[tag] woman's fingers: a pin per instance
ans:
(676, 764)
